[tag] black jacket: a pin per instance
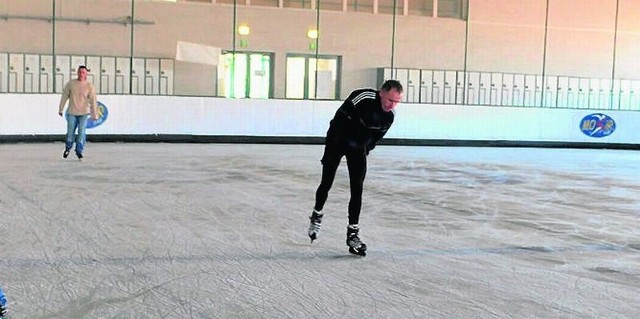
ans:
(360, 122)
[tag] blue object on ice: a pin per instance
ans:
(3, 303)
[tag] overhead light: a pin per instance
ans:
(312, 34)
(244, 29)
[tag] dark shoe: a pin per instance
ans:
(65, 154)
(79, 155)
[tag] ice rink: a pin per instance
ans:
(219, 231)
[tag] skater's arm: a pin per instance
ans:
(377, 136)
(338, 130)
(66, 92)
(379, 132)
(93, 103)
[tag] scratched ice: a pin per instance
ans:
(219, 231)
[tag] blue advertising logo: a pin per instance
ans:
(103, 113)
(597, 125)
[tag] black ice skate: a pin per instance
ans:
(315, 221)
(356, 246)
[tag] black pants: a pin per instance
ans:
(357, 166)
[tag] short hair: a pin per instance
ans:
(392, 84)
(83, 67)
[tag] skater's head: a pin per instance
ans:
(82, 73)
(390, 94)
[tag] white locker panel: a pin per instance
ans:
(137, 76)
(485, 88)
(16, 72)
(412, 88)
(602, 95)
(592, 93)
(402, 75)
(473, 86)
(495, 90)
(517, 91)
(63, 64)
(625, 94)
(538, 90)
(108, 75)
(31, 73)
(166, 73)
(46, 74)
(615, 95)
(426, 82)
(152, 77)
(449, 93)
(389, 74)
(506, 89)
(583, 93)
(4, 72)
(437, 87)
(634, 100)
(122, 75)
(550, 92)
(460, 81)
(561, 92)
(93, 63)
(529, 90)
(573, 92)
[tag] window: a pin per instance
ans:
(265, 3)
(360, 5)
(247, 75)
(332, 5)
(452, 9)
(421, 8)
(302, 4)
(386, 6)
(311, 78)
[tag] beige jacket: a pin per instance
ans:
(82, 98)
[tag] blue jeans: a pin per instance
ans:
(76, 122)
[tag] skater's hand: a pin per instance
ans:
(95, 118)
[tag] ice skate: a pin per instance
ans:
(79, 155)
(65, 154)
(356, 246)
(315, 221)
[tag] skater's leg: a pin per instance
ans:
(330, 162)
(82, 134)
(357, 164)
(72, 123)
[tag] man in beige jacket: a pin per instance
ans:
(82, 101)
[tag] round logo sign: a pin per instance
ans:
(597, 125)
(103, 113)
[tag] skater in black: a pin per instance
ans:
(360, 122)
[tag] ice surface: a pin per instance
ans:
(219, 231)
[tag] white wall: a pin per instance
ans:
(501, 36)
(31, 114)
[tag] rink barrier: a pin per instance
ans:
(165, 138)
(133, 118)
